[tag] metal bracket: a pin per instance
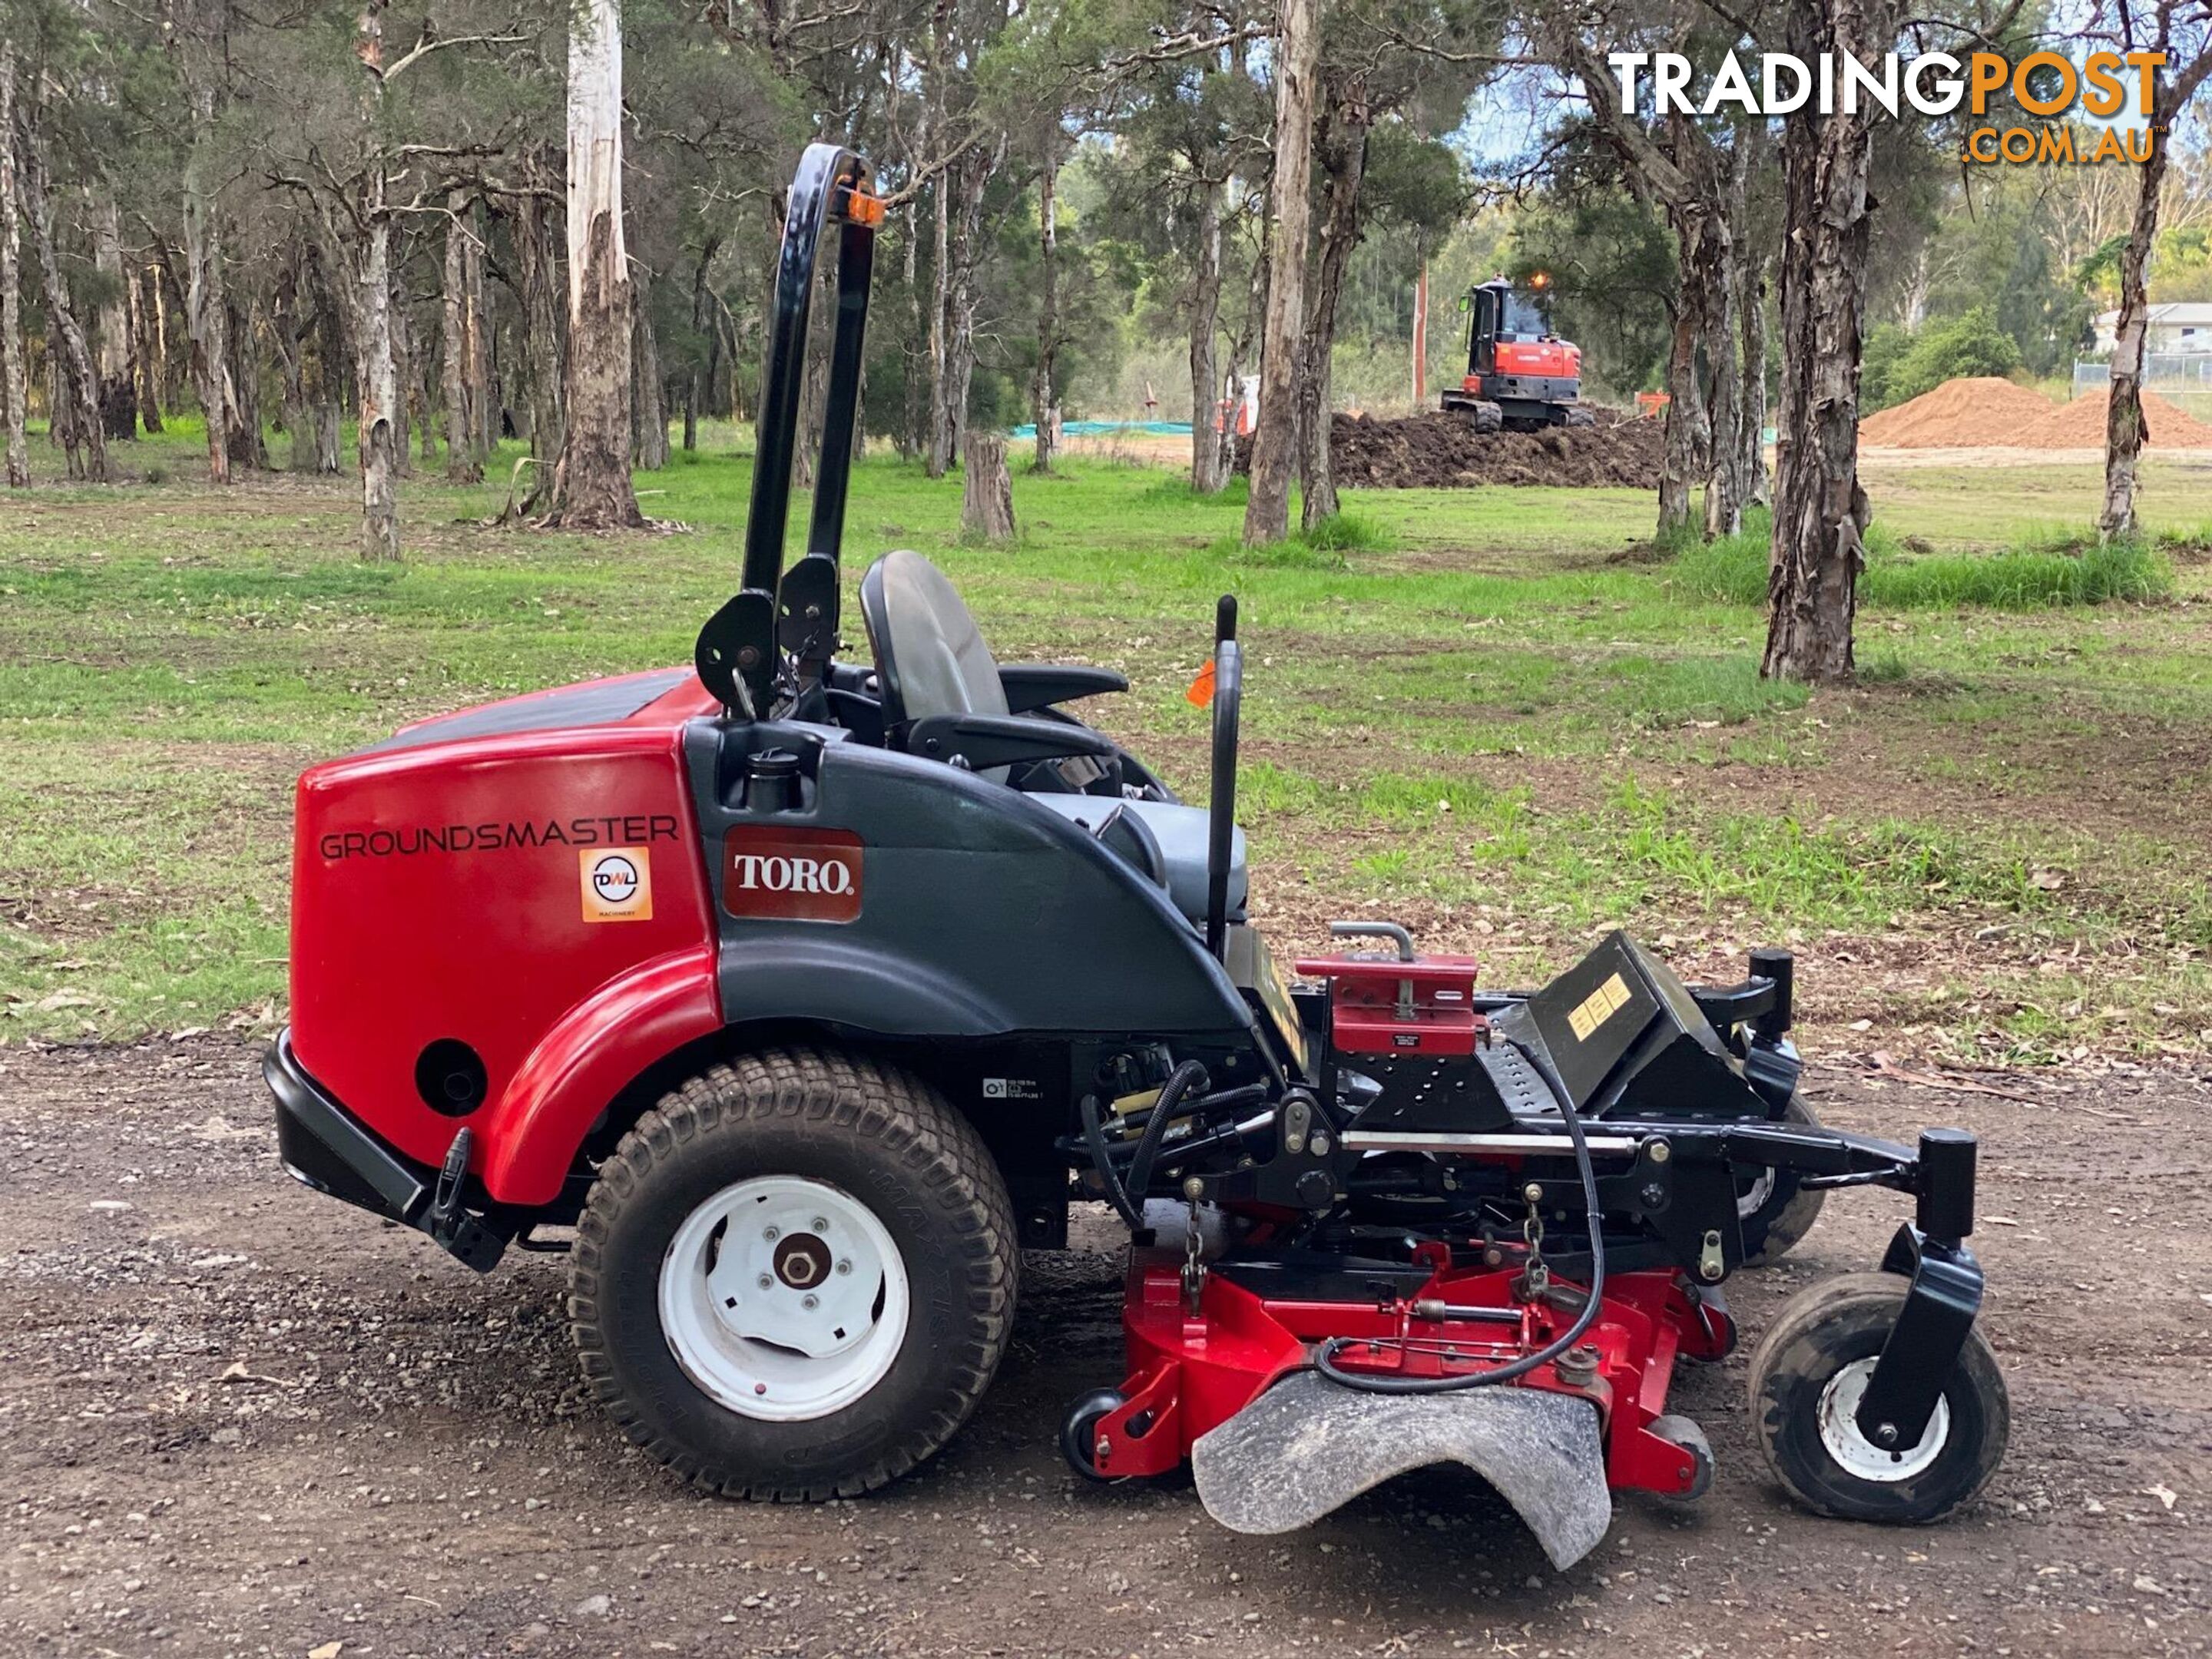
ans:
(1924, 1346)
(447, 1222)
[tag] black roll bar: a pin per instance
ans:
(737, 649)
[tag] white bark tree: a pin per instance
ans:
(591, 482)
(13, 389)
(1274, 436)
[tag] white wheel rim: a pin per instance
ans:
(1753, 1198)
(784, 1298)
(1860, 1456)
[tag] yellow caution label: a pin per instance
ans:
(1598, 1007)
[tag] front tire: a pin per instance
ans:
(794, 1278)
(1776, 1210)
(1806, 1382)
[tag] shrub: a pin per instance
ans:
(1971, 344)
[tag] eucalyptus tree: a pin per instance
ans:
(1393, 75)
(2180, 32)
(368, 132)
(13, 393)
(592, 487)
(1293, 67)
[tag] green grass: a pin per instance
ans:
(2045, 567)
(1483, 709)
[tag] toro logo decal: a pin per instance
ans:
(802, 875)
(618, 884)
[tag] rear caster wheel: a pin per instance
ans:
(794, 1278)
(1683, 1432)
(1079, 1433)
(1775, 1211)
(1806, 1382)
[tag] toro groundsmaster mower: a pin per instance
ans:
(807, 991)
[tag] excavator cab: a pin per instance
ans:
(1520, 374)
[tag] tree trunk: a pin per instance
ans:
(143, 293)
(700, 321)
(15, 391)
(82, 439)
(591, 483)
(289, 330)
(1689, 430)
(1044, 398)
(953, 353)
(118, 394)
(1725, 484)
(542, 334)
(1207, 475)
(1234, 379)
(461, 463)
(650, 402)
(377, 384)
(2126, 428)
(987, 494)
(247, 450)
(1820, 512)
(403, 363)
(1752, 405)
(483, 399)
(1343, 150)
(326, 387)
(201, 53)
(1275, 437)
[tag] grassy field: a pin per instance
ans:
(1497, 715)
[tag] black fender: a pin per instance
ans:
(977, 913)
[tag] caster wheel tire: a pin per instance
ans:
(1806, 1382)
(1079, 1433)
(794, 1278)
(1775, 1213)
(1683, 1432)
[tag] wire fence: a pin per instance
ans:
(2183, 378)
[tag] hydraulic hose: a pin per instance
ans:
(1186, 1076)
(1366, 1382)
(1128, 1197)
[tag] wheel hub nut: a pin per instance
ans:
(802, 1261)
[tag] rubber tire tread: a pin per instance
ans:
(1820, 1330)
(1795, 1218)
(786, 1094)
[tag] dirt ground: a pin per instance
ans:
(238, 1419)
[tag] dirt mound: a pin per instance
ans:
(2080, 425)
(1438, 451)
(1980, 410)
(1983, 412)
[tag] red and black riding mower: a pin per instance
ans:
(807, 992)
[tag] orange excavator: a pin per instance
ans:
(1519, 374)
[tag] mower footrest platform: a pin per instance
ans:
(1308, 1446)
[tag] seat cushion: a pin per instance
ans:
(1181, 832)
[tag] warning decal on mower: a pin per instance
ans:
(801, 875)
(618, 884)
(1598, 1007)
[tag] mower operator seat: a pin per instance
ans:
(930, 656)
(930, 660)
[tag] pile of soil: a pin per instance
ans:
(2080, 425)
(1437, 450)
(1979, 410)
(1983, 412)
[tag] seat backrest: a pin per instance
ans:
(930, 656)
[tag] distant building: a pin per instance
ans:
(2180, 325)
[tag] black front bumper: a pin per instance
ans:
(326, 1147)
